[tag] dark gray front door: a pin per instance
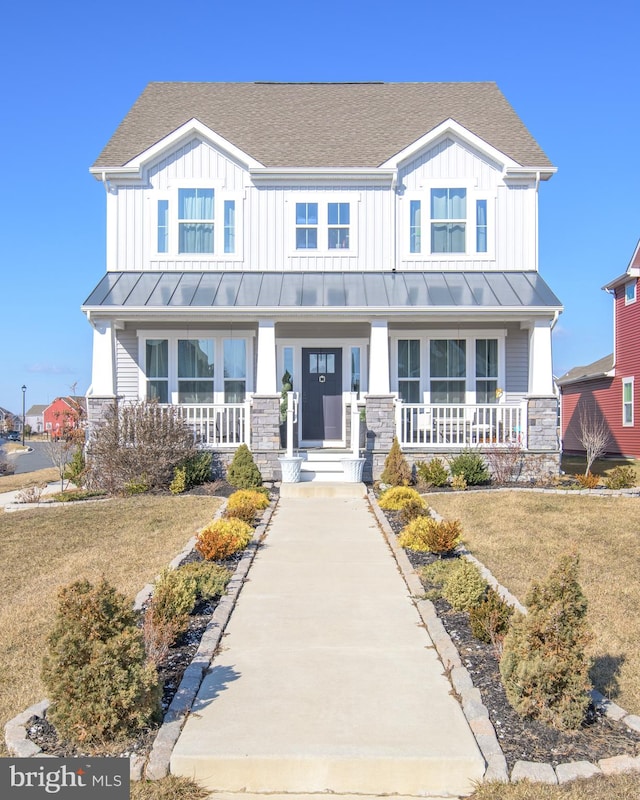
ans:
(321, 393)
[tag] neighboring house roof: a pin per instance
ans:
(4, 413)
(36, 410)
(73, 401)
(602, 368)
(633, 271)
(321, 291)
(322, 124)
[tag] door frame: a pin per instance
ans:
(324, 342)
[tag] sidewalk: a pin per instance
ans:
(327, 680)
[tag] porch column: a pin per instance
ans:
(266, 379)
(540, 363)
(103, 374)
(379, 358)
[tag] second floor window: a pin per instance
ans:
(452, 222)
(306, 226)
(323, 226)
(195, 220)
(448, 220)
(338, 214)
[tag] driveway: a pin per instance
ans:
(32, 461)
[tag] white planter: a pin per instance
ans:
(290, 468)
(353, 469)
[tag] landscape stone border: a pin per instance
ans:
(156, 764)
(473, 708)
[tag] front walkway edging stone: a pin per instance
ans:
(156, 764)
(469, 697)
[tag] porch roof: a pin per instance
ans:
(322, 292)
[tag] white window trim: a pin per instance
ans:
(218, 336)
(470, 337)
(323, 199)
(424, 195)
(630, 300)
(628, 382)
(220, 195)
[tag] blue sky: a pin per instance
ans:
(71, 70)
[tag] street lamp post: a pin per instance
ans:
(24, 392)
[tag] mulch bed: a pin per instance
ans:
(522, 740)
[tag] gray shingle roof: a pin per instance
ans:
(597, 369)
(324, 124)
(322, 290)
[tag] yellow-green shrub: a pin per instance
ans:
(394, 499)
(211, 579)
(428, 535)
(223, 538)
(621, 477)
(458, 581)
(245, 504)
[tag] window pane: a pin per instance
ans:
(414, 226)
(288, 361)
(409, 391)
(338, 213)
(481, 226)
(195, 238)
(195, 358)
(163, 226)
(338, 238)
(626, 389)
(195, 204)
(439, 204)
(355, 369)
(457, 206)
(331, 363)
(195, 391)
(158, 390)
(306, 213)
(234, 391)
(486, 358)
(229, 226)
(235, 358)
(322, 362)
(307, 239)
(448, 358)
(409, 358)
(157, 358)
(447, 392)
(313, 363)
(486, 391)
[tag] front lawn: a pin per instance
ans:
(519, 536)
(128, 541)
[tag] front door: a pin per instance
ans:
(321, 393)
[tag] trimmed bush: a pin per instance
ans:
(243, 472)
(396, 497)
(223, 538)
(412, 509)
(173, 599)
(245, 504)
(588, 481)
(433, 473)
(211, 579)
(544, 668)
(95, 670)
(471, 467)
(397, 471)
(458, 483)
(465, 587)
(179, 482)
(621, 478)
(489, 620)
(428, 535)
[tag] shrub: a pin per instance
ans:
(471, 467)
(95, 671)
(198, 468)
(544, 668)
(433, 473)
(397, 471)
(245, 504)
(136, 445)
(413, 508)
(179, 482)
(464, 587)
(458, 483)
(223, 538)
(211, 579)
(505, 463)
(588, 481)
(75, 469)
(428, 535)
(489, 620)
(243, 472)
(173, 599)
(394, 498)
(621, 478)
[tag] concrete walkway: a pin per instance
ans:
(327, 680)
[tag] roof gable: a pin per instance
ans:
(320, 125)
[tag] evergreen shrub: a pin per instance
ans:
(95, 670)
(622, 477)
(243, 472)
(544, 667)
(394, 498)
(211, 579)
(433, 473)
(471, 467)
(464, 587)
(428, 535)
(397, 471)
(222, 538)
(489, 620)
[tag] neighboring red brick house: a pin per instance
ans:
(607, 388)
(64, 415)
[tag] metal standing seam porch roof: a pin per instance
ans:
(323, 291)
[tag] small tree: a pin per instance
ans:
(397, 471)
(544, 668)
(594, 435)
(243, 472)
(60, 452)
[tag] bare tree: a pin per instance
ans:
(60, 451)
(594, 435)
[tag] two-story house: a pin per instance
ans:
(376, 241)
(604, 391)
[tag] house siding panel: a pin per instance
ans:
(517, 361)
(127, 365)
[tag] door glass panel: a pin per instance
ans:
(322, 362)
(313, 363)
(331, 362)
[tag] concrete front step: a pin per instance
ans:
(323, 489)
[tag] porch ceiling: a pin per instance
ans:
(323, 293)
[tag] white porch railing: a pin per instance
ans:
(226, 425)
(452, 426)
